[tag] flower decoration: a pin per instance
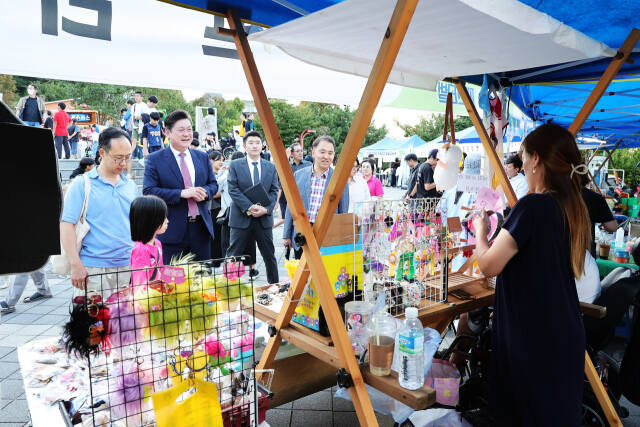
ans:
(233, 270)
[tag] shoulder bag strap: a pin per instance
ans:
(87, 190)
(157, 260)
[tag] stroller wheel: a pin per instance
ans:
(592, 415)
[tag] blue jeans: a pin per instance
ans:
(32, 124)
(74, 147)
(137, 152)
(20, 282)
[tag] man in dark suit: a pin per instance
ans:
(248, 219)
(184, 179)
(312, 183)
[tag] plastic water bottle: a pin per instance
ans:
(620, 238)
(410, 340)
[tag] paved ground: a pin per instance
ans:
(45, 318)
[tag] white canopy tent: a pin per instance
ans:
(497, 35)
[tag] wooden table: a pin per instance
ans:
(306, 376)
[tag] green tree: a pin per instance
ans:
(8, 90)
(324, 119)
(430, 128)
(626, 159)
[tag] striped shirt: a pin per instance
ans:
(317, 193)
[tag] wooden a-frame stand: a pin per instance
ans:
(311, 261)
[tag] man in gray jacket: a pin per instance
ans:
(31, 109)
(312, 183)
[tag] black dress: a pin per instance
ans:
(538, 339)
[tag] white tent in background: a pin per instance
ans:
(388, 149)
(383, 148)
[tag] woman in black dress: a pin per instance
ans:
(538, 337)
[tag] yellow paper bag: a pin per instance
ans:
(202, 408)
(339, 263)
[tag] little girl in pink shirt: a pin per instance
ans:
(148, 218)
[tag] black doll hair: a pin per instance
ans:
(76, 332)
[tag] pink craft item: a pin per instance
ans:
(170, 274)
(233, 270)
(444, 378)
(214, 348)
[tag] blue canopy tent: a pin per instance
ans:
(556, 93)
(616, 116)
(385, 147)
(266, 13)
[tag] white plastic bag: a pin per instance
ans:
(438, 417)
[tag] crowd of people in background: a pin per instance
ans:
(203, 186)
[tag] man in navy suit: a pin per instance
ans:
(312, 183)
(247, 219)
(184, 179)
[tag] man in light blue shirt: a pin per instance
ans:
(107, 246)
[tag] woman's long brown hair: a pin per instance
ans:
(558, 152)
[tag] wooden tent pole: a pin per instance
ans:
(591, 178)
(445, 130)
(592, 157)
(359, 394)
(616, 63)
(496, 163)
(380, 72)
(609, 154)
(452, 126)
(389, 48)
(600, 392)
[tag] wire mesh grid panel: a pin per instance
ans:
(402, 247)
(174, 343)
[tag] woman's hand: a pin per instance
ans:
(481, 225)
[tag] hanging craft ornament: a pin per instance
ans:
(446, 173)
(496, 220)
(406, 266)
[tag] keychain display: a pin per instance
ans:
(403, 245)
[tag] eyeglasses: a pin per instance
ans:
(120, 159)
